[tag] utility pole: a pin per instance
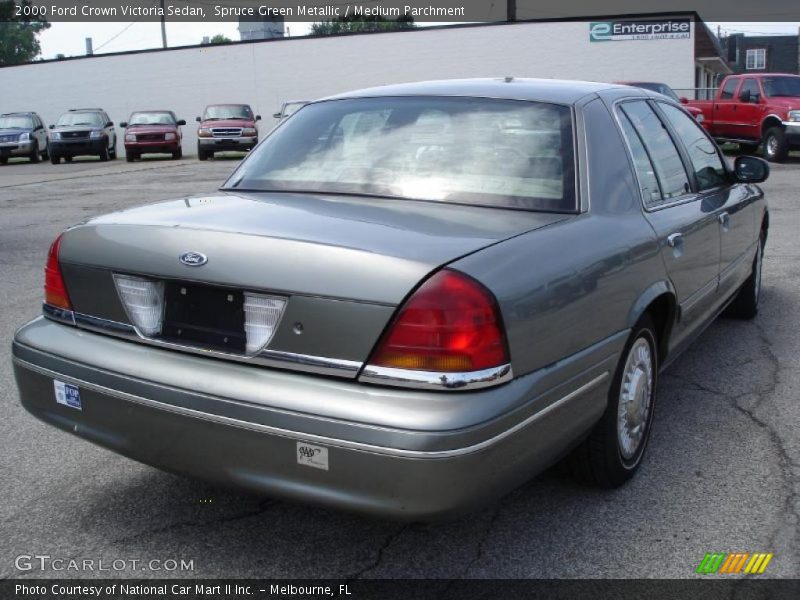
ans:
(163, 26)
(511, 10)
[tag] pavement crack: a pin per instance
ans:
(378, 560)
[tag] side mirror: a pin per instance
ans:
(110, 124)
(52, 126)
(750, 169)
(276, 115)
(181, 122)
(684, 100)
(744, 96)
(199, 120)
(123, 124)
(258, 117)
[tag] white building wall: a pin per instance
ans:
(266, 74)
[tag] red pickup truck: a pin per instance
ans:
(753, 109)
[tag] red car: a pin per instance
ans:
(226, 127)
(753, 109)
(663, 88)
(153, 132)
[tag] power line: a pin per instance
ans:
(123, 30)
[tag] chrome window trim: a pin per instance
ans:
(327, 441)
(431, 380)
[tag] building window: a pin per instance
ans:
(756, 58)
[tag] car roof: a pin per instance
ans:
(512, 88)
(14, 114)
(229, 104)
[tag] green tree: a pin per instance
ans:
(18, 41)
(361, 25)
(220, 39)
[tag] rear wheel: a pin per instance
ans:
(745, 306)
(35, 153)
(614, 449)
(776, 148)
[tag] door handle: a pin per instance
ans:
(724, 219)
(674, 239)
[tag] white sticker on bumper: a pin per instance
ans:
(67, 394)
(312, 456)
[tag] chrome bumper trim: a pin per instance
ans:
(428, 380)
(326, 441)
(58, 314)
(319, 365)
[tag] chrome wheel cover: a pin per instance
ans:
(772, 145)
(635, 398)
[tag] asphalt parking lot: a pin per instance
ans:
(722, 471)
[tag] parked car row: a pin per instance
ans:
(91, 132)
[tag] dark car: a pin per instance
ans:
(22, 134)
(226, 127)
(82, 132)
(665, 90)
(153, 132)
(406, 300)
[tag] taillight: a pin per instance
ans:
(55, 291)
(450, 324)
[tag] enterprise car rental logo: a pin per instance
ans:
(734, 562)
(614, 31)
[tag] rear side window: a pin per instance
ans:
(706, 162)
(666, 160)
(648, 183)
(728, 89)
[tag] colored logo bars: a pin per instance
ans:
(734, 563)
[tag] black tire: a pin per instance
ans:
(201, 153)
(55, 159)
(67, 159)
(3, 160)
(776, 148)
(35, 153)
(112, 152)
(129, 157)
(601, 459)
(104, 154)
(46, 153)
(178, 154)
(745, 305)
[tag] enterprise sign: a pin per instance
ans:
(616, 31)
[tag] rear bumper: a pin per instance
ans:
(77, 147)
(228, 144)
(213, 428)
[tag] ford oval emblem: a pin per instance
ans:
(193, 259)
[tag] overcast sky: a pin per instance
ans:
(68, 38)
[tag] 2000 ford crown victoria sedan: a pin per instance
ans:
(407, 300)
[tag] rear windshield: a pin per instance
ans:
(776, 87)
(16, 122)
(81, 118)
(230, 111)
(152, 118)
(489, 152)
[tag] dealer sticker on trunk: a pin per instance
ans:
(67, 394)
(312, 456)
